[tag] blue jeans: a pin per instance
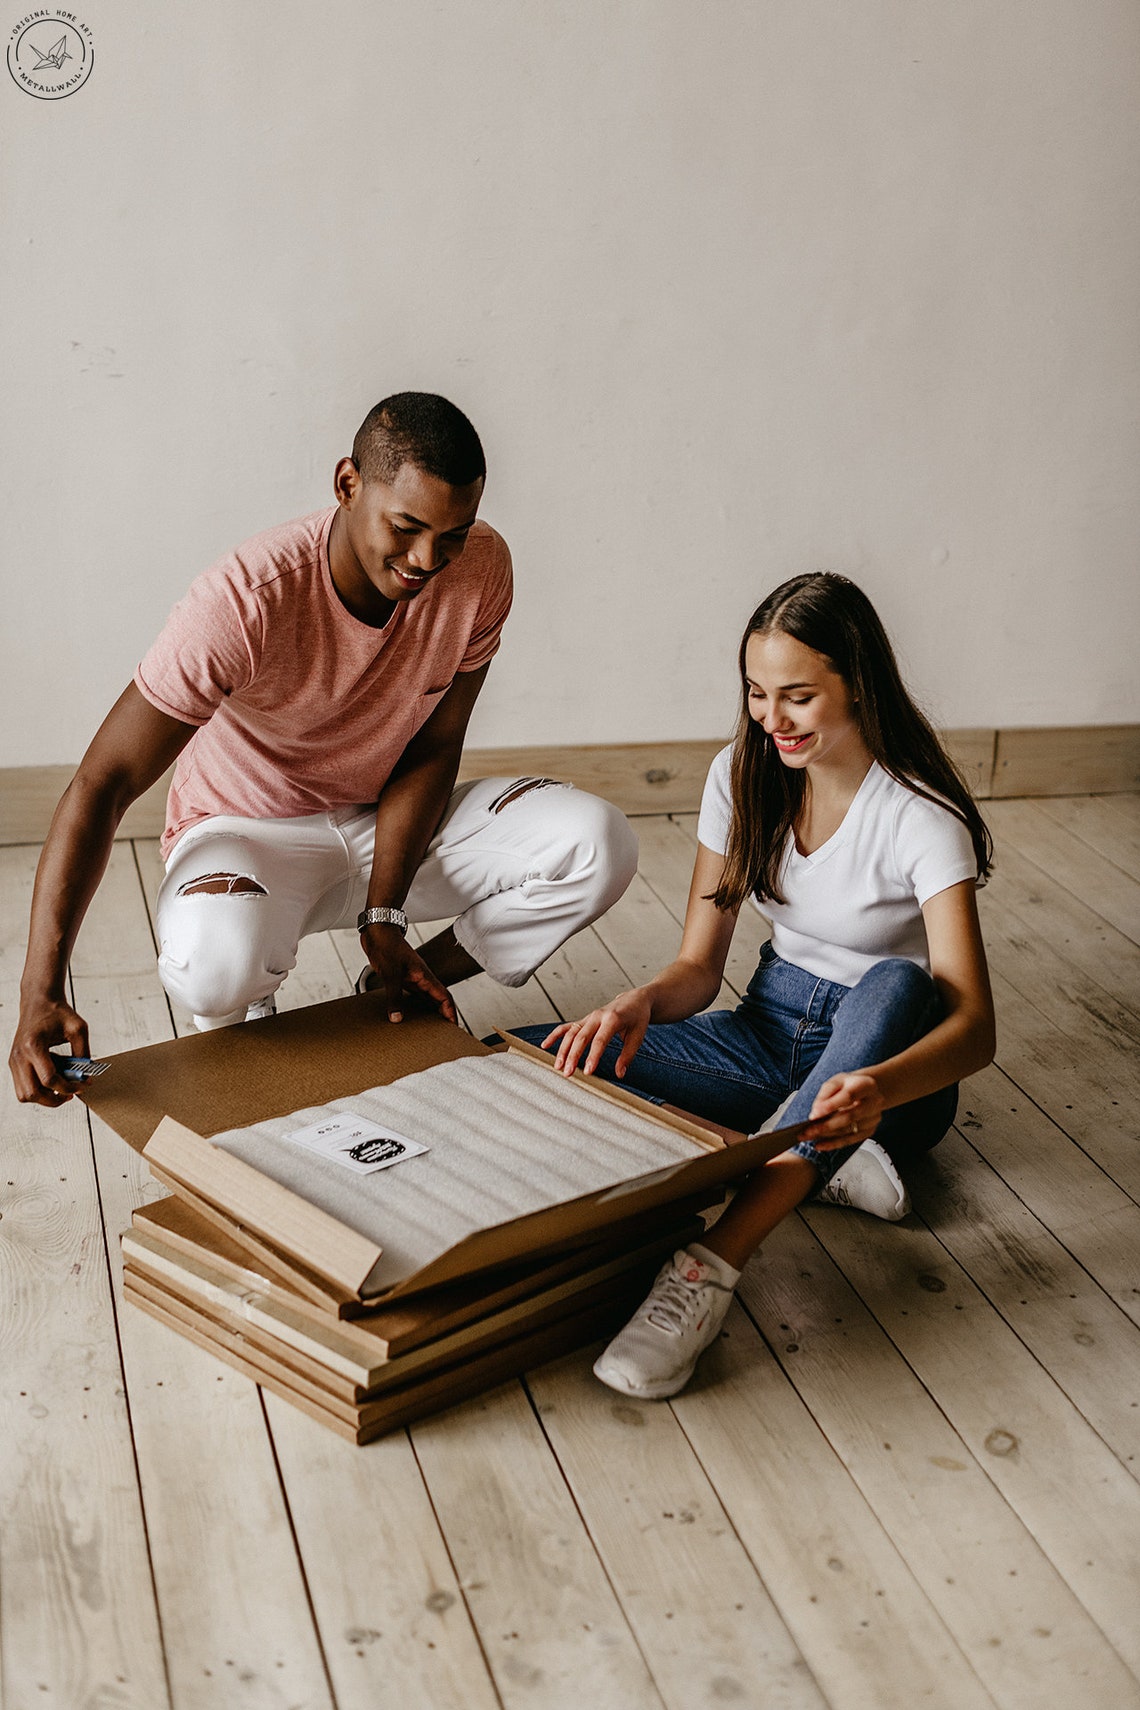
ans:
(791, 1032)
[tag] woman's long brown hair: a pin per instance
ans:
(833, 617)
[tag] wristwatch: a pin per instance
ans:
(383, 917)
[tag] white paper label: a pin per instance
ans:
(357, 1144)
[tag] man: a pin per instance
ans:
(315, 688)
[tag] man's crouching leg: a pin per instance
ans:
(523, 863)
(217, 930)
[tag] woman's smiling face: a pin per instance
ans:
(802, 702)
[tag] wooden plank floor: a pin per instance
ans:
(909, 1473)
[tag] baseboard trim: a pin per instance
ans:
(666, 777)
(1081, 760)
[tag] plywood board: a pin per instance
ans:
(435, 1393)
(627, 1288)
(392, 1329)
(353, 1351)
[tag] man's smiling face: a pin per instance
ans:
(395, 536)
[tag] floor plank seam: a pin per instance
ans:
(301, 1567)
(1031, 931)
(816, 1421)
(594, 1543)
(1047, 1552)
(996, 1307)
(935, 1614)
(1071, 1138)
(749, 1555)
(1078, 836)
(113, 1302)
(409, 1433)
(1042, 1224)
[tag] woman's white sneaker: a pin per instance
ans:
(868, 1181)
(654, 1356)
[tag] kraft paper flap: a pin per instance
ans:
(239, 1075)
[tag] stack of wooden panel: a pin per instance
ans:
(365, 1372)
(527, 1217)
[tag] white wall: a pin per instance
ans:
(731, 291)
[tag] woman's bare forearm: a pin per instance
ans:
(682, 989)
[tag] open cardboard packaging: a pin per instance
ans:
(277, 1286)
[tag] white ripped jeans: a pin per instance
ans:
(517, 873)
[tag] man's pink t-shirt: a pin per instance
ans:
(302, 707)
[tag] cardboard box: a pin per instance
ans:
(167, 1100)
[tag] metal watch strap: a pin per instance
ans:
(382, 917)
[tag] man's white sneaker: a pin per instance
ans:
(655, 1354)
(263, 1009)
(868, 1181)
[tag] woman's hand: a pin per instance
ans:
(629, 1014)
(847, 1110)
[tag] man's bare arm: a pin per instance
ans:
(411, 806)
(132, 748)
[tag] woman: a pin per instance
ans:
(837, 810)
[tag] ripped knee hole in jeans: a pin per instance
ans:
(524, 787)
(222, 885)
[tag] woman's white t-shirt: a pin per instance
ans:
(858, 898)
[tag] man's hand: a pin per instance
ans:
(34, 1071)
(398, 969)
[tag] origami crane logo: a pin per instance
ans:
(54, 58)
(51, 73)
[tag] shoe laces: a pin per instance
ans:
(675, 1299)
(838, 1192)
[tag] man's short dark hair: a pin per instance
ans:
(423, 429)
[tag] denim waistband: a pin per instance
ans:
(795, 988)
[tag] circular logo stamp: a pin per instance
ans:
(50, 54)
